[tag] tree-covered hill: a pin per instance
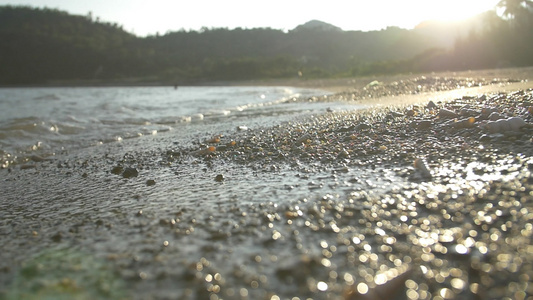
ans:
(43, 46)
(39, 45)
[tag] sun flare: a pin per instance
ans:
(406, 14)
(455, 10)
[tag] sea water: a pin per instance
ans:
(49, 120)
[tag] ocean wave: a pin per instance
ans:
(52, 119)
(47, 97)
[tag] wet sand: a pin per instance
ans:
(342, 85)
(417, 197)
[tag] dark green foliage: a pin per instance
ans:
(42, 45)
(46, 46)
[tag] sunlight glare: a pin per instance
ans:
(455, 10)
(373, 15)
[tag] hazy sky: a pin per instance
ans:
(144, 17)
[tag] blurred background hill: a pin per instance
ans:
(46, 46)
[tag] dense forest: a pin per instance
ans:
(48, 46)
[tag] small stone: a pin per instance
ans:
(464, 123)
(422, 167)
(362, 126)
(467, 112)
(219, 178)
(117, 170)
(346, 129)
(504, 125)
(485, 138)
(410, 113)
(150, 182)
(495, 116)
(26, 167)
(487, 111)
(343, 154)
(57, 237)
(424, 124)
(431, 105)
(130, 172)
(397, 114)
(37, 158)
(447, 114)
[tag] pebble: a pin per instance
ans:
(204, 151)
(421, 166)
(424, 124)
(117, 170)
(431, 105)
(27, 167)
(130, 172)
(447, 114)
(505, 125)
(37, 158)
(57, 237)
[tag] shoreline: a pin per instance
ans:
(330, 84)
(342, 205)
(339, 85)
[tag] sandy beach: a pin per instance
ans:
(427, 193)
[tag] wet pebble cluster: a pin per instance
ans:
(459, 228)
(434, 131)
(409, 86)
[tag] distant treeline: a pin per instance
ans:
(47, 46)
